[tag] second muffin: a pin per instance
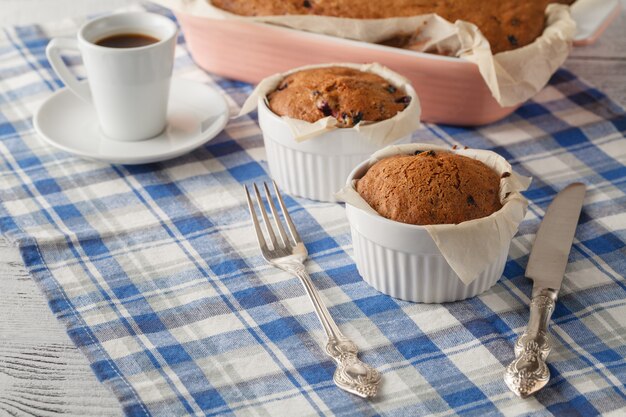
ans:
(309, 154)
(347, 94)
(431, 187)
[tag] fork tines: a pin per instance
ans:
(282, 240)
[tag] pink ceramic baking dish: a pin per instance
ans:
(451, 90)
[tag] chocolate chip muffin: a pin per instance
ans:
(431, 187)
(507, 24)
(349, 95)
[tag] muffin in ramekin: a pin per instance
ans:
(431, 224)
(319, 121)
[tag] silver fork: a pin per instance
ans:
(351, 374)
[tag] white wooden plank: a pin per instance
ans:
(42, 373)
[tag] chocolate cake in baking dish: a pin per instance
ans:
(507, 24)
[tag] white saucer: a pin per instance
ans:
(196, 114)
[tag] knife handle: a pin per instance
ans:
(528, 373)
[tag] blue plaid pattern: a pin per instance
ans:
(156, 274)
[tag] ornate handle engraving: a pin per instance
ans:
(528, 373)
(351, 374)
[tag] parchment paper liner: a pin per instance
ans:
(379, 133)
(468, 247)
(513, 76)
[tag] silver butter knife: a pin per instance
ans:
(528, 373)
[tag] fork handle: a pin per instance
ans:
(351, 374)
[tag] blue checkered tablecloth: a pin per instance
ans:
(156, 275)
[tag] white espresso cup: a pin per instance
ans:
(128, 86)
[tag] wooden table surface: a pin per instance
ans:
(41, 372)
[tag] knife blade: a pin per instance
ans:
(528, 373)
(548, 257)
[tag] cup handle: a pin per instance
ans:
(53, 52)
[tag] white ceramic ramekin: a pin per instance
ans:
(403, 261)
(315, 168)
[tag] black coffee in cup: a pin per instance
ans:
(126, 40)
